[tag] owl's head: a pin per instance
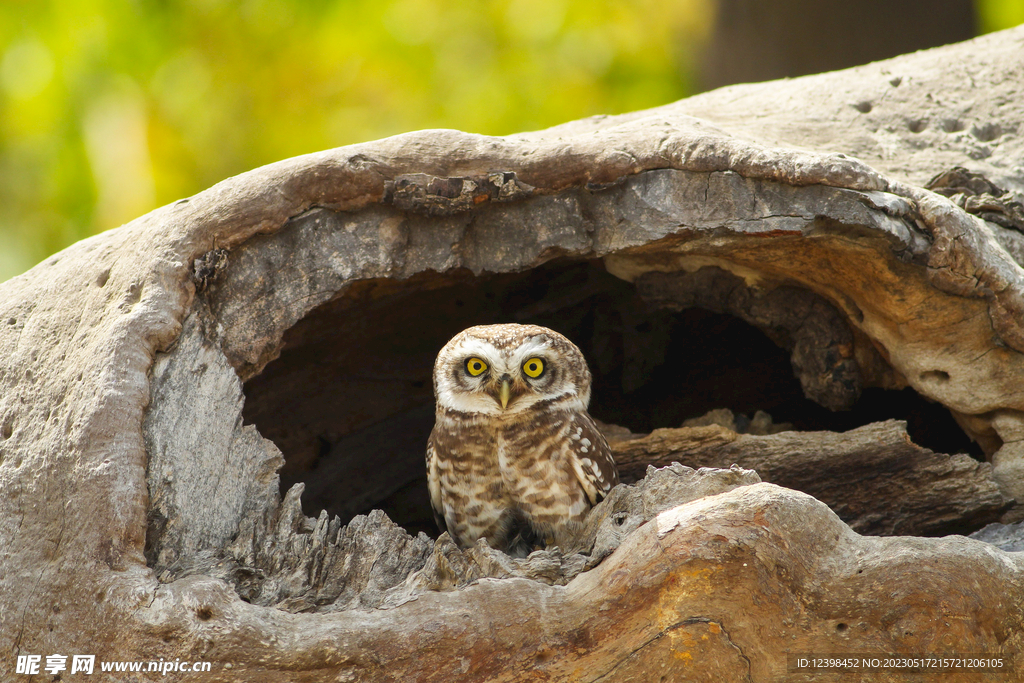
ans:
(509, 369)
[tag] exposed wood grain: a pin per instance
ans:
(874, 477)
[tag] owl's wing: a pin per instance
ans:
(591, 458)
(434, 485)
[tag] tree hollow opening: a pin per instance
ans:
(350, 403)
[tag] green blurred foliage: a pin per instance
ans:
(995, 15)
(110, 108)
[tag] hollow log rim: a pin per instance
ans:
(131, 308)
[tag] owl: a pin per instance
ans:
(514, 457)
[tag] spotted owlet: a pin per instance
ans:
(514, 457)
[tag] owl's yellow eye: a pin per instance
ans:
(533, 368)
(475, 367)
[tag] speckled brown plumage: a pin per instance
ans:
(524, 474)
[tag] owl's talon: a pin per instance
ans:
(542, 544)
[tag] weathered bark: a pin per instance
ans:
(1008, 537)
(722, 588)
(875, 478)
(141, 512)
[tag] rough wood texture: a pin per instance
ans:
(874, 477)
(721, 588)
(1008, 537)
(230, 472)
(762, 186)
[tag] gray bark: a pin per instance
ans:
(874, 477)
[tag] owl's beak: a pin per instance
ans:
(505, 392)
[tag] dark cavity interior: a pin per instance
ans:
(350, 401)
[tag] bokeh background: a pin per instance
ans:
(111, 108)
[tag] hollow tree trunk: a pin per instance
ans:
(142, 372)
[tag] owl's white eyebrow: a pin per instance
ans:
(529, 349)
(476, 347)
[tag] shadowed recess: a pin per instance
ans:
(350, 402)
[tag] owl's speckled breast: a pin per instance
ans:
(525, 462)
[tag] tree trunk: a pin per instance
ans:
(756, 41)
(163, 383)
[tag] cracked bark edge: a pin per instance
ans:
(686, 665)
(743, 558)
(434, 196)
(967, 260)
(284, 559)
(875, 478)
